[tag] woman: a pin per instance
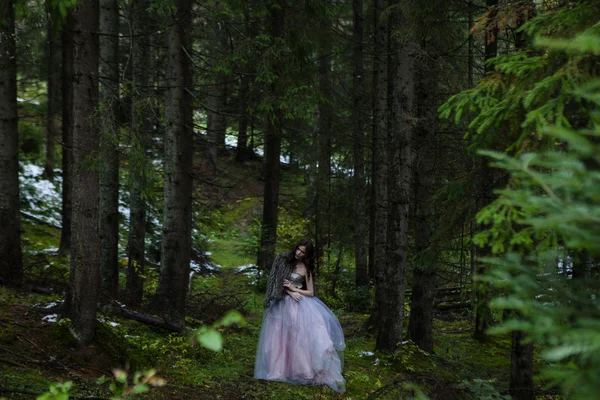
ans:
(301, 340)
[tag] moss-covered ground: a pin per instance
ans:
(35, 353)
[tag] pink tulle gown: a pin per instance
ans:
(301, 342)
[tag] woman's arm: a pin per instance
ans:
(295, 295)
(309, 287)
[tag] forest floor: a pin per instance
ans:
(35, 351)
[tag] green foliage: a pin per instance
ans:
(211, 338)
(125, 386)
(547, 220)
(482, 389)
(31, 138)
(531, 89)
(57, 391)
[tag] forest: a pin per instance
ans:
(443, 156)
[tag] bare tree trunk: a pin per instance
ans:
(241, 154)
(242, 151)
(176, 239)
(67, 135)
(521, 368)
(139, 130)
(85, 254)
(379, 168)
(324, 127)
(268, 238)
(11, 267)
(109, 147)
(53, 67)
(217, 99)
(360, 217)
(483, 314)
(420, 324)
(400, 129)
(521, 371)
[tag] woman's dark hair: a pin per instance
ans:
(309, 255)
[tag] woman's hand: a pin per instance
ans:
(288, 284)
(296, 296)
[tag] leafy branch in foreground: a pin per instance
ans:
(548, 223)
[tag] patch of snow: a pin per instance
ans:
(50, 318)
(111, 323)
(41, 198)
(366, 354)
(124, 211)
(376, 362)
(52, 304)
(20, 100)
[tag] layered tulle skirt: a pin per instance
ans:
(301, 342)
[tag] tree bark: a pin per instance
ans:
(140, 126)
(109, 147)
(483, 314)
(176, 238)
(67, 135)
(420, 324)
(379, 169)
(242, 153)
(217, 99)
(11, 268)
(400, 130)
(324, 131)
(85, 253)
(360, 217)
(268, 238)
(53, 70)
(521, 370)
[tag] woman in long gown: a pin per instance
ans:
(301, 340)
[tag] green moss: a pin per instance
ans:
(229, 254)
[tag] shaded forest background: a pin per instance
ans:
(155, 156)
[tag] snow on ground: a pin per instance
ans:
(251, 271)
(40, 198)
(50, 318)
(111, 323)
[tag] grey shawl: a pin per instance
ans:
(280, 270)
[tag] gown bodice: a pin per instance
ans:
(297, 280)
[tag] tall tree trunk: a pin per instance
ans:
(11, 268)
(268, 238)
(521, 369)
(176, 238)
(324, 143)
(53, 70)
(360, 217)
(242, 152)
(67, 135)
(217, 99)
(420, 324)
(85, 254)
(139, 130)
(109, 147)
(483, 314)
(379, 168)
(521, 366)
(400, 126)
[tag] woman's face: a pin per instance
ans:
(300, 252)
